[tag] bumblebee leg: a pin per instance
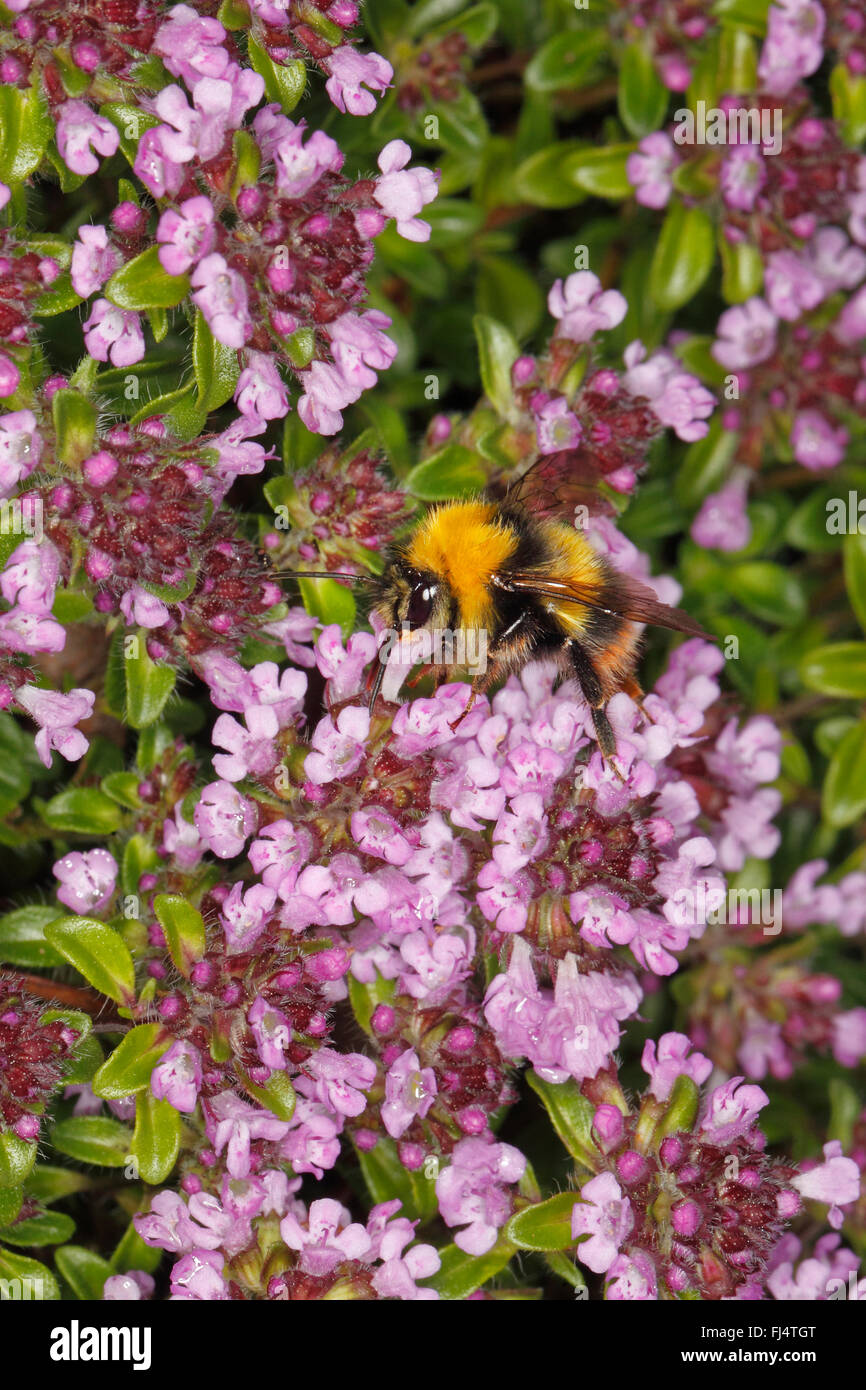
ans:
(512, 648)
(637, 693)
(590, 684)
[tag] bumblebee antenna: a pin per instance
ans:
(323, 574)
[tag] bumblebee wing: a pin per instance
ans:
(557, 483)
(624, 596)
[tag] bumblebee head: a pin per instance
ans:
(412, 598)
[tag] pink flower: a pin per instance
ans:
(177, 1077)
(649, 169)
(57, 716)
(115, 334)
(198, 1275)
(10, 376)
(79, 132)
(260, 391)
(663, 1064)
(722, 523)
(338, 1080)
(605, 1216)
(233, 1125)
(25, 631)
(402, 192)
(20, 448)
(849, 1037)
(472, 1191)
(272, 1032)
(676, 398)
(244, 914)
(583, 307)
(343, 666)
(224, 819)
(191, 45)
(245, 756)
(129, 1287)
(350, 73)
(396, 1276)
(746, 335)
(329, 1237)
(297, 165)
(93, 260)
(30, 576)
(731, 1110)
(793, 47)
(557, 427)
(409, 1091)
(221, 294)
(835, 1181)
(338, 749)
(88, 880)
(816, 443)
(360, 345)
(186, 234)
(143, 609)
(632, 1277)
(742, 176)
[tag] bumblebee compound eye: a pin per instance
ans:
(421, 599)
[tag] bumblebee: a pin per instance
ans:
(536, 588)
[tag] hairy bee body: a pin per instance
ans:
(535, 586)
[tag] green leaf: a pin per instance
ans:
(571, 1115)
(504, 287)
(93, 1139)
(183, 928)
(642, 97)
(84, 1272)
(17, 1157)
(48, 1183)
(10, 1203)
(848, 95)
(544, 178)
(565, 60)
(277, 1094)
(453, 471)
(45, 1228)
(682, 1108)
(156, 1141)
(70, 606)
(705, 464)
(25, 128)
(683, 257)
(770, 591)
(17, 756)
(131, 1252)
(56, 299)
(742, 270)
(148, 685)
(460, 1274)
(836, 669)
(128, 1068)
(843, 800)
(98, 953)
(75, 425)
(88, 1060)
(386, 1178)
(855, 574)
(545, 1225)
(143, 284)
(497, 353)
(601, 172)
(22, 940)
(83, 810)
(284, 83)
(122, 787)
(329, 601)
(37, 1280)
(215, 365)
